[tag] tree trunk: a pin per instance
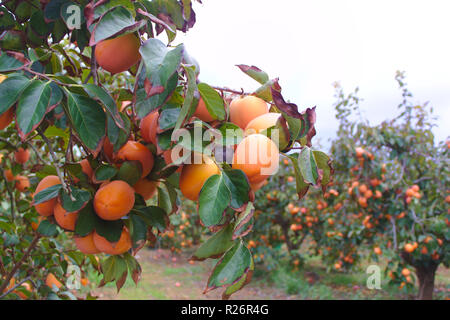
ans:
(426, 281)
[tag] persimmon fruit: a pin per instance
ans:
(46, 208)
(245, 109)
(65, 220)
(118, 54)
(123, 245)
(21, 155)
(6, 118)
(133, 150)
(193, 177)
(114, 200)
(257, 156)
(146, 188)
(86, 244)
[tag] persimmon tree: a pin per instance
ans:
(390, 196)
(103, 95)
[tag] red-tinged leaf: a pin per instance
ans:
(326, 170)
(152, 90)
(155, 19)
(309, 130)
(255, 73)
(230, 269)
(244, 222)
(290, 109)
(121, 281)
(246, 278)
(89, 13)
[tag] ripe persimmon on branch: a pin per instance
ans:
(106, 99)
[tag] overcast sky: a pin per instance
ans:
(311, 44)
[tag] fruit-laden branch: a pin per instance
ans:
(11, 197)
(19, 263)
(55, 161)
(15, 287)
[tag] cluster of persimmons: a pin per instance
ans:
(113, 200)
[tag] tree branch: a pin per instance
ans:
(19, 263)
(15, 287)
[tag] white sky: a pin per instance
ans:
(311, 44)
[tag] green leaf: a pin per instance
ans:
(254, 73)
(7, 20)
(308, 166)
(117, 21)
(117, 136)
(153, 216)
(52, 10)
(213, 200)
(103, 96)
(237, 184)
(188, 106)
(160, 64)
(138, 230)
(46, 228)
(145, 104)
(104, 172)
(213, 101)
(10, 90)
(32, 106)
(130, 172)
(241, 283)
(114, 269)
(323, 162)
(301, 186)
(47, 194)
(9, 63)
(88, 119)
(216, 245)
(86, 220)
(110, 230)
(236, 262)
(81, 199)
(168, 118)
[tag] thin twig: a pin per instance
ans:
(19, 263)
(38, 155)
(15, 287)
(55, 161)
(42, 75)
(242, 92)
